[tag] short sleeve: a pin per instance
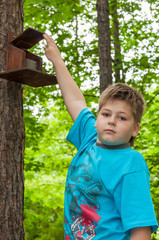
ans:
(83, 129)
(136, 204)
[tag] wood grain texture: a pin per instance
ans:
(11, 132)
(105, 62)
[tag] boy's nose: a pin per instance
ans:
(111, 121)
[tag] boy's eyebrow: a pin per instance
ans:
(123, 112)
(106, 109)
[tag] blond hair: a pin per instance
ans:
(131, 96)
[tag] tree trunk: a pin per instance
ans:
(116, 40)
(104, 44)
(11, 132)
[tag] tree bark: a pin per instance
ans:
(11, 132)
(116, 40)
(105, 62)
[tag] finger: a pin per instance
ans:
(48, 39)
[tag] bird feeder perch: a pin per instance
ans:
(23, 66)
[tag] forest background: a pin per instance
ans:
(73, 25)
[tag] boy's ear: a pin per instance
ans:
(136, 130)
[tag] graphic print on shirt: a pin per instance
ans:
(82, 192)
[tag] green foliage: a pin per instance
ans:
(44, 205)
(47, 153)
(46, 166)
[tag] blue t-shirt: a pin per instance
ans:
(107, 190)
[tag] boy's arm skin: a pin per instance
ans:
(141, 233)
(73, 97)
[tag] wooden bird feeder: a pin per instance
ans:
(23, 66)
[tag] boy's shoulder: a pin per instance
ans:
(135, 154)
(136, 161)
(123, 160)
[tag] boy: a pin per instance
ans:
(107, 193)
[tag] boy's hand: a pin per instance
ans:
(51, 51)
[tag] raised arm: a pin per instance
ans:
(73, 97)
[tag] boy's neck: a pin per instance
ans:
(121, 146)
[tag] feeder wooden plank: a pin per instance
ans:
(15, 58)
(28, 38)
(29, 77)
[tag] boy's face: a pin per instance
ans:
(115, 123)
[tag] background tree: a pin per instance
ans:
(118, 68)
(11, 132)
(105, 62)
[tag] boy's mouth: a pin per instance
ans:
(109, 131)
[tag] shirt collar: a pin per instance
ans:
(121, 146)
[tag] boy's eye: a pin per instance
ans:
(106, 114)
(122, 118)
